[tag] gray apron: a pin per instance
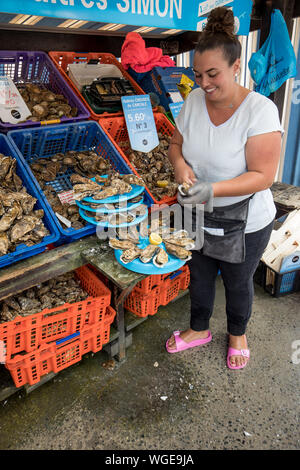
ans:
(224, 232)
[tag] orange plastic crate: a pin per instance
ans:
(184, 278)
(115, 128)
(146, 285)
(56, 356)
(62, 60)
(143, 305)
(169, 290)
(27, 333)
(157, 280)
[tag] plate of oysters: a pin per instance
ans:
(109, 208)
(116, 219)
(106, 189)
(154, 254)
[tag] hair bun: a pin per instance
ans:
(220, 20)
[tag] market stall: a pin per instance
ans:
(81, 164)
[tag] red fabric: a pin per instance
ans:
(140, 58)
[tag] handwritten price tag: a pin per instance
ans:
(12, 106)
(67, 197)
(140, 122)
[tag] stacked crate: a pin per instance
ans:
(54, 339)
(157, 290)
(62, 60)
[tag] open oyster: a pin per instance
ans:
(187, 243)
(161, 259)
(178, 251)
(184, 188)
(130, 255)
(148, 253)
(121, 244)
(107, 192)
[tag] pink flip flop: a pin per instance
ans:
(182, 345)
(237, 352)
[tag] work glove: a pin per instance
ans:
(200, 193)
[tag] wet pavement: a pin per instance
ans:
(184, 401)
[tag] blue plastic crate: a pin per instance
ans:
(23, 251)
(36, 67)
(162, 81)
(285, 282)
(32, 144)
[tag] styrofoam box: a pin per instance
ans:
(84, 74)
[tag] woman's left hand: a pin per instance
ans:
(199, 193)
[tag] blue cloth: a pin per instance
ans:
(275, 61)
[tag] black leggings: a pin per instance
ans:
(238, 283)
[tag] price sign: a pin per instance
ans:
(12, 106)
(175, 109)
(140, 122)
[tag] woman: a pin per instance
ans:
(227, 140)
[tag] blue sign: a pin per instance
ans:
(175, 108)
(189, 15)
(140, 122)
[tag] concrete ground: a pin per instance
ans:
(184, 401)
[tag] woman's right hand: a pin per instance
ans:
(184, 173)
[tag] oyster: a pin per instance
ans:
(181, 234)
(130, 255)
(178, 251)
(85, 190)
(79, 188)
(9, 217)
(187, 243)
(148, 253)
(121, 244)
(161, 259)
(133, 179)
(4, 244)
(72, 210)
(77, 225)
(121, 218)
(5, 163)
(184, 188)
(100, 217)
(120, 185)
(75, 178)
(135, 199)
(21, 228)
(28, 204)
(107, 192)
(100, 179)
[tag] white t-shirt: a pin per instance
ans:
(217, 153)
